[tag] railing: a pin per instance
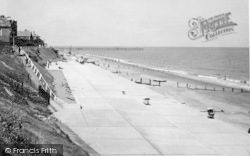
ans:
(43, 82)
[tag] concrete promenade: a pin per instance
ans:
(116, 124)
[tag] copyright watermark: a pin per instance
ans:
(32, 149)
(7, 150)
(211, 28)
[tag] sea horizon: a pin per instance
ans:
(220, 62)
(73, 46)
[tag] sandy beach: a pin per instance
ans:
(235, 105)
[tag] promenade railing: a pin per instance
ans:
(42, 80)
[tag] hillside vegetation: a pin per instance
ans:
(24, 114)
(40, 56)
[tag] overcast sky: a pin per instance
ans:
(125, 22)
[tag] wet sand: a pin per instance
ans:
(236, 105)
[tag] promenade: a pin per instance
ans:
(113, 123)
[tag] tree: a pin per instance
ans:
(38, 42)
(31, 37)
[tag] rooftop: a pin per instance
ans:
(24, 33)
(4, 22)
(27, 33)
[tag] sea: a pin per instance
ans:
(213, 62)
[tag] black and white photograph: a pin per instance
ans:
(124, 78)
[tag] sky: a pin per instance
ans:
(126, 22)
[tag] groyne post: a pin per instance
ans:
(141, 80)
(150, 82)
(177, 84)
(187, 85)
(223, 89)
(241, 90)
(232, 89)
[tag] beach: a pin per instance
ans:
(111, 116)
(234, 104)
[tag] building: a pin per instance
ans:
(27, 35)
(28, 38)
(35, 36)
(5, 34)
(5, 30)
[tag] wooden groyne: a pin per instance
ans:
(191, 86)
(211, 88)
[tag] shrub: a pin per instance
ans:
(11, 127)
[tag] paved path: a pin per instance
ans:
(116, 124)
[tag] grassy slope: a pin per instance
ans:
(27, 119)
(40, 57)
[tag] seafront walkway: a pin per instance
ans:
(113, 123)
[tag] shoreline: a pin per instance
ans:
(203, 78)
